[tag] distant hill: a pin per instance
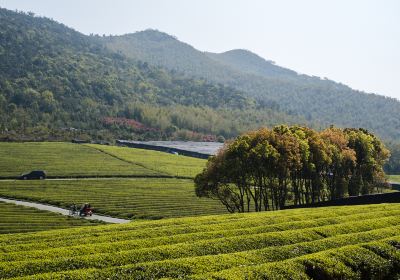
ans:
(320, 101)
(248, 62)
(56, 82)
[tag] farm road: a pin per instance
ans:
(63, 211)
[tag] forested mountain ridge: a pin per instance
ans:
(320, 101)
(53, 78)
(246, 61)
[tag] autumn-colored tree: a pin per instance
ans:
(371, 155)
(342, 162)
(267, 168)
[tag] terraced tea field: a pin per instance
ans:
(152, 198)
(71, 160)
(348, 242)
(14, 219)
(175, 165)
(144, 197)
(63, 159)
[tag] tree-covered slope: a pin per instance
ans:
(319, 101)
(57, 83)
(53, 78)
(246, 61)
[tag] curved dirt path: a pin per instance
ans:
(63, 211)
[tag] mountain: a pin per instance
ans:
(56, 82)
(164, 50)
(248, 62)
(320, 101)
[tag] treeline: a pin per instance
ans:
(270, 168)
(179, 121)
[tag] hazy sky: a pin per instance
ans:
(356, 42)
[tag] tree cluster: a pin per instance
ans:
(269, 168)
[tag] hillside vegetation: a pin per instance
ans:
(320, 102)
(58, 83)
(393, 164)
(358, 242)
(139, 198)
(19, 219)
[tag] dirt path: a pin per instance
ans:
(63, 211)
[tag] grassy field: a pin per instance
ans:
(63, 159)
(126, 198)
(348, 242)
(175, 165)
(18, 219)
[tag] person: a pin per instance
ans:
(88, 210)
(82, 211)
(73, 209)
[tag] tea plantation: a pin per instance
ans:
(63, 159)
(73, 160)
(14, 219)
(348, 242)
(150, 198)
(175, 165)
(195, 239)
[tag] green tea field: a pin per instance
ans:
(175, 165)
(348, 242)
(191, 238)
(71, 160)
(18, 219)
(152, 198)
(63, 159)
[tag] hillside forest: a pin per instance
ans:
(58, 83)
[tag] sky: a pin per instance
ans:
(355, 42)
